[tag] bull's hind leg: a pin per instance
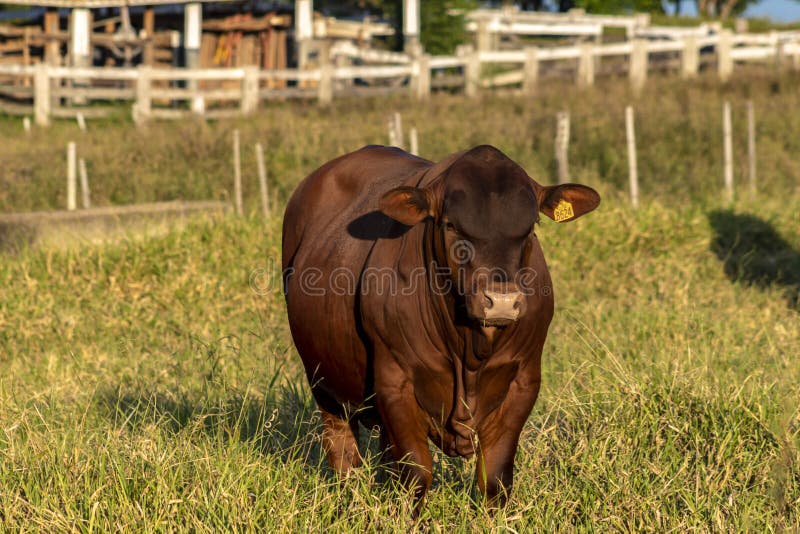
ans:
(339, 435)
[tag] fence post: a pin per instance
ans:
(638, 65)
(325, 88)
(237, 174)
(690, 57)
(530, 70)
(421, 79)
(472, 71)
(724, 57)
(262, 180)
(72, 171)
(250, 90)
(780, 54)
(143, 104)
(396, 130)
(586, 65)
(484, 37)
(727, 150)
(41, 94)
(633, 170)
(751, 146)
(79, 118)
(413, 141)
(562, 146)
(84, 184)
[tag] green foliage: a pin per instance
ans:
(620, 6)
(442, 24)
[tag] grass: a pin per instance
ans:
(679, 137)
(151, 383)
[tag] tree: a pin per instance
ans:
(722, 8)
(621, 6)
(442, 24)
(441, 21)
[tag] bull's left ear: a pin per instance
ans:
(409, 205)
(566, 202)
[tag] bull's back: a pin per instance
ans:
(330, 225)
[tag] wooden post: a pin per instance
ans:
(81, 121)
(80, 49)
(724, 57)
(780, 55)
(751, 146)
(80, 32)
(421, 81)
(638, 68)
(192, 34)
(562, 146)
(398, 129)
(192, 37)
(690, 57)
(26, 124)
(71, 176)
(303, 29)
(84, 183)
(633, 171)
(149, 27)
(411, 27)
(413, 141)
(250, 90)
(41, 94)
(530, 70)
(472, 74)
(26, 50)
(392, 131)
(484, 38)
(51, 47)
(728, 150)
(395, 128)
(143, 104)
(586, 65)
(237, 174)
(262, 180)
(325, 88)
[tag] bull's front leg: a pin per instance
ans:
(404, 429)
(498, 439)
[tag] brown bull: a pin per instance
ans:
(419, 300)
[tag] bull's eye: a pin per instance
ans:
(450, 227)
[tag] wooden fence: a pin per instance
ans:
(50, 91)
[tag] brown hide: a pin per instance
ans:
(382, 336)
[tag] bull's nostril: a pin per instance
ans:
(517, 304)
(487, 301)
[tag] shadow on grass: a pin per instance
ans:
(754, 253)
(284, 423)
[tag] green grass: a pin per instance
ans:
(679, 137)
(151, 383)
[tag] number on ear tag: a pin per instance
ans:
(563, 211)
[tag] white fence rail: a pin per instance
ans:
(158, 93)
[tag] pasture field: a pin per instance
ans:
(150, 384)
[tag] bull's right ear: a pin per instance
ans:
(409, 205)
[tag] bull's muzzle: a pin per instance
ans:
(502, 307)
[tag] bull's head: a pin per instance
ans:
(484, 207)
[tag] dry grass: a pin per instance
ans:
(144, 384)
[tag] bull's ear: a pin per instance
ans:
(409, 205)
(566, 202)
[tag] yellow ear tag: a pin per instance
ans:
(563, 211)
